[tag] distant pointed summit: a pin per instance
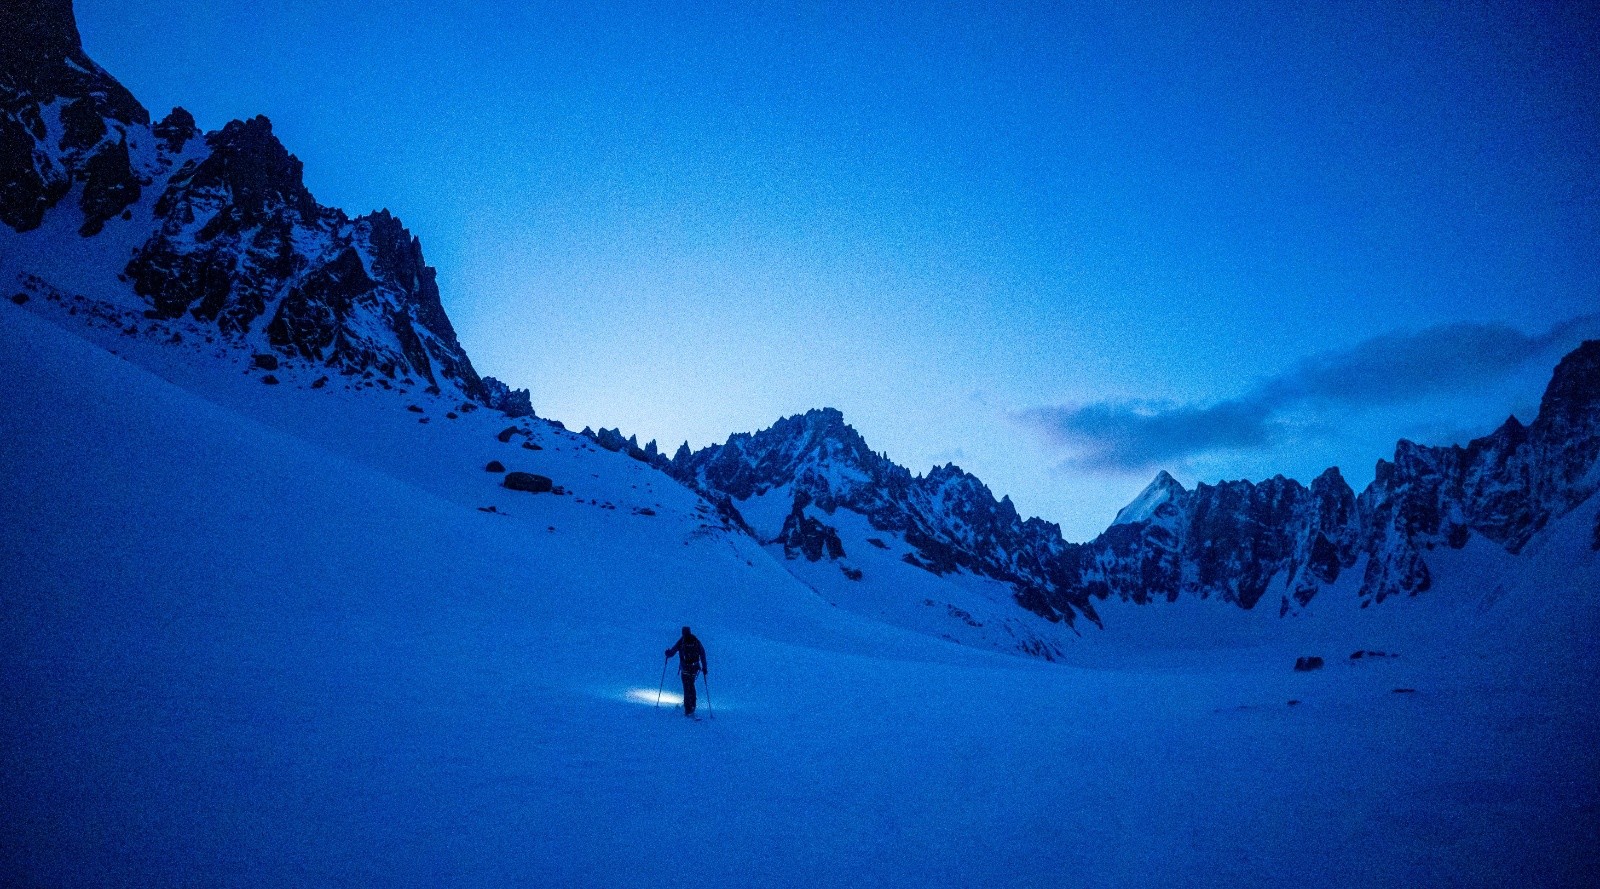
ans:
(1163, 490)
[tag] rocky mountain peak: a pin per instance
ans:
(822, 429)
(503, 398)
(235, 238)
(1163, 490)
(817, 448)
(176, 129)
(254, 172)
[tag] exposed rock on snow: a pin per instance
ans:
(808, 536)
(528, 481)
(509, 401)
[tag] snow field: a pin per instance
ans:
(262, 636)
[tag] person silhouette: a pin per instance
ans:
(691, 661)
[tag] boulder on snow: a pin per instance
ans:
(19, 298)
(530, 482)
(1307, 664)
(265, 361)
(506, 433)
(270, 380)
(495, 466)
(319, 382)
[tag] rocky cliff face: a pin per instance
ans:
(232, 236)
(65, 123)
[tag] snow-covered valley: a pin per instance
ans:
(265, 635)
(270, 615)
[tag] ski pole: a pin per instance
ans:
(706, 677)
(663, 686)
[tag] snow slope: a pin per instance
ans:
(258, 635)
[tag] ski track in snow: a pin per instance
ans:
(263, 636)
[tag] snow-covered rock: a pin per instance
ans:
(230, 236)
(509, 401)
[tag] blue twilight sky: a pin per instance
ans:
(1060, 244)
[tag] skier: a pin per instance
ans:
(691, 660)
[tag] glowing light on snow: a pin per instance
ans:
(648, 696)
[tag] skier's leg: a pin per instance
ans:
(688, 693)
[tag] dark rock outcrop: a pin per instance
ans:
(63, 121)
(806, 535)
(175, 130)
(530, 482)
(1307, 664)
(509, 401)
(612, 440)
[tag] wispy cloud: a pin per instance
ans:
(1435, 362)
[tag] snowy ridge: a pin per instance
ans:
(812, 489)
(1239, 542)
(1242, 542)
(220, 226)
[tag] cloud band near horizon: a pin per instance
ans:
(1445, 360)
